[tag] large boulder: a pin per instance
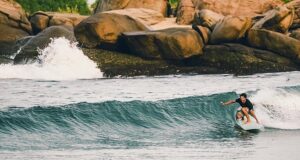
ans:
(29, 52)
(13, 25)
(204, 32)
(185, 12)
(275, 42)
(295, 5)
(103, 29)
(172, 43)
(295, 34)
(107, 5)
(230, 29)
(249, 8)
(240, 59)
(43, 20)
(207, 18)
(279, 19)
(146, 16)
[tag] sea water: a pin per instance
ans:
(61, 107)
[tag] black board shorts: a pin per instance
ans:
(249, 108)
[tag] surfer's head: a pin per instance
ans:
(243, 97)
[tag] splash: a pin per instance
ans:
(61, 60)
(278, 108)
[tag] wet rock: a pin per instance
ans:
(29, 52)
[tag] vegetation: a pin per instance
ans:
(94, 5)
(73, 6)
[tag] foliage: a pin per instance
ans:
(286, 1)
(94, 5)
(71, 6)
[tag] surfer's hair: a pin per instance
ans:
(243, 95)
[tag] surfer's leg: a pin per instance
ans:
(245, 111)
(253, 115)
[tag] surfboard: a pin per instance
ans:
(252, 126)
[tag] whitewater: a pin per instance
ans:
(62, 107)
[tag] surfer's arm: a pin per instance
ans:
(228, 102)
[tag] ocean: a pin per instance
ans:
(63, 108)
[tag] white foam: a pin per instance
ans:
(278, 108)
(61, 60)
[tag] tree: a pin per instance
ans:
(71, 6)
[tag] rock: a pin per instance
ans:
(171, 44)
(104, 29)
(230, 29)
(295, 34)
(13, 25)
(42, 20)
(39, 22)
(185, 13)
(226, 58)
(5, 60)
(275, 42)
(29, 52)
(168, 23)
(279, 19)
(295, 5)
(146, 16)
(107, 5)
(248, 8)
(116, 64)
(204, 32)
(240, 59)
(207, 18)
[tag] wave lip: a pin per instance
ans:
(61, 60)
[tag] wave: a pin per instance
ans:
(276, 108)
(61, 60)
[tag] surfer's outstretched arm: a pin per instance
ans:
(228, 102)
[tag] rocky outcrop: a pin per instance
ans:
(171, 44)
(104, 29)
(204, 32)
(185, 12)
(226, 58)
(207, 18)
(146, 16)
(240, 59)
(107, 5)
(13, 25)
(29, 51)
(295, 5)
(43, 20)
(279, 20)
(249, 8)
(276, 42)
(230, 29)
(295, 34)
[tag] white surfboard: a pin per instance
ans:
(252, 126)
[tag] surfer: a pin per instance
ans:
(247, 106)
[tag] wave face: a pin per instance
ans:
(116, 124)
(61, 60)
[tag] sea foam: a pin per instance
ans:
(61, 60)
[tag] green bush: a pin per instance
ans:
(71, 6)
